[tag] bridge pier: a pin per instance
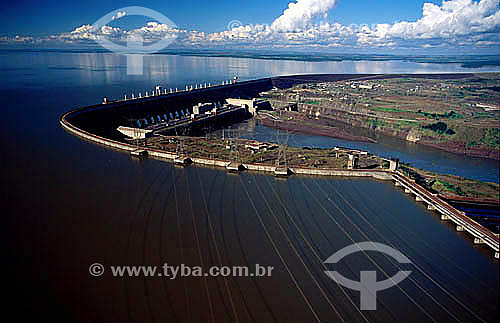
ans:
(407, 190)
(418, 199)
(182, 160)
(431, 207)
(496, 254)
(444, 217)
(460, 228)
(397, 184)
(478, 241)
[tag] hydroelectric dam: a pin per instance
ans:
(162, 111)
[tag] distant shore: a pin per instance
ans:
(395, 106)
(332, 132)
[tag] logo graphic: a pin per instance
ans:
(134, 49)
(234, 24)
(368, 285)
(96, 269)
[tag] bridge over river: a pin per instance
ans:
(98, 123)
(463, 223)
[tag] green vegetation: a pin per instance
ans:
(450, 185)
(391, 110)
(491, 138)
(441, 128)
(478, 115)
(404, 123)
(445, 113)
(449, 115)
(445, 187)
(374, 123)
(452, 115)
(472, 144)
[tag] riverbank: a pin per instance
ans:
(457, 115)
(311, 130)
(193, 152)
(342, 133)
(268, 157)
(454, 187)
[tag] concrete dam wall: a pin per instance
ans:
(103, 119)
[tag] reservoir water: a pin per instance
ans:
(69, 203)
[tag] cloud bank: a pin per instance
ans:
(300, 14)
(454, 23)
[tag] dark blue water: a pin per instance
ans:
(417, 155)
(68, 203)
(85, 78)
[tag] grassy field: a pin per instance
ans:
(453, 186)
(235, 150)
(434, 111)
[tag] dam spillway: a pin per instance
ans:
(103, 119)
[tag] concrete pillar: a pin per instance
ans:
(444, 217)
(393, 164)
(478, 241)
(460, 228)
(407, 190)
(133, 96)
(125, 97)
(353, 161)
(140, 94)
(431, 207)
(496, 254)
(397, 184)
(418, 199)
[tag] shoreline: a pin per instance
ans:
(383, 174)
(454, 148)
(320, 164)
(228, 165)
(447, 212)
(284, 125)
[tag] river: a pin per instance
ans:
(69, 203)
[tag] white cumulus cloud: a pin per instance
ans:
(452, 18)
(448, 24)
(301, 13)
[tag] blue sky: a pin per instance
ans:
(31, 17)
(327, 24)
